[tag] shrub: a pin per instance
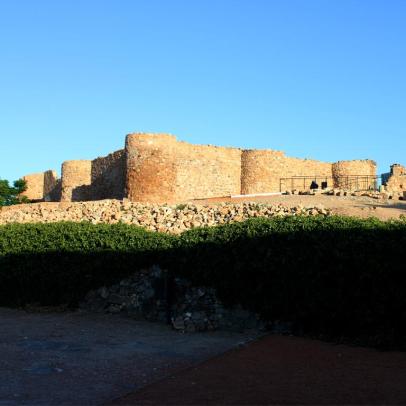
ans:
(335, 276)
(59, 262)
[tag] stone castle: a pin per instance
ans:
(158, 168)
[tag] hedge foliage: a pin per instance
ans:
(58, 263)
(337, 276)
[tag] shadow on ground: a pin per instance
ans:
(74, 358)
(280, 370)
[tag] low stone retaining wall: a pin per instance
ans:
(152, 295)
(164, 218)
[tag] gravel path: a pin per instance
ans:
(75, 358)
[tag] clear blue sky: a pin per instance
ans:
(318, 79)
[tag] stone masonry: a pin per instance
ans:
(172, 219)
(397, 180)
(41, 186)
(157, 168)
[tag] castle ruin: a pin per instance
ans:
(158, 168)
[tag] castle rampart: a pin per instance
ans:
(108, 176)
(76, 179)
(41, 186)
(354, 174)
(397, 179)
(267, 170)
(158, 168)
(150, 167)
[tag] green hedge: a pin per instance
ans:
(58, 263)
(337, 276)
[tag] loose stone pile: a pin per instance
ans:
(151, 295)
(379, 195)
(164, 218)
(374, 194)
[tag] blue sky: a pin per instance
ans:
(316, 79)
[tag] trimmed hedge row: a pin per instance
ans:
(58, 263)
(337, 276)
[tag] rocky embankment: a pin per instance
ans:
(164, 218)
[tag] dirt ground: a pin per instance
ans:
(279, 370)
(76, 358)
(343, 205)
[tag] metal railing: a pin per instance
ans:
(351, 182)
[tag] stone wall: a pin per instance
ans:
(99, 179)
(76, 179)
(41, 186)
(160, 169)
(35, 186)
(353, 175)
(397, 179)
(108, 176)
(263, 171)
(204, 171)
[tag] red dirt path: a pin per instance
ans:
(284, 370)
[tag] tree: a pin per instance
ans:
(12, 194)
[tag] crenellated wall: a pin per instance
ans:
(158, 168)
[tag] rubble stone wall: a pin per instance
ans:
(76, 179)
(40, 185)
(108, 176)
(357, 174)
(397, 179)
(161, 169)
(35, 186)
(51, 185)
(158, 168)
(204, 171)
(262, 171)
